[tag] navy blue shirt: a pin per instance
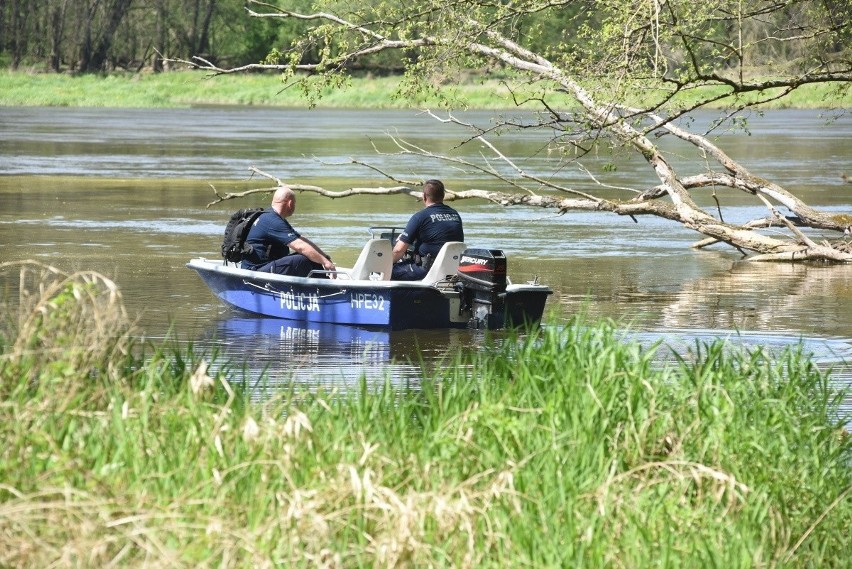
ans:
(431, 227)
(268, 237)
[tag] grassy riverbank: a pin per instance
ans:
(188, 88)
(566, 447)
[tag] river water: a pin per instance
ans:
(125, 192)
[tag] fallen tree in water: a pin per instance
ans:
(630, 76)
(743, 236)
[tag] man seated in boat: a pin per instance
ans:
(272, 237)
(429, 228)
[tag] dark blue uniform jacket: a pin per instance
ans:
(268, 238)
(431, 227)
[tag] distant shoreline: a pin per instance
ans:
(183, 89)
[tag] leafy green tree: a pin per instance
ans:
(100, 21)
(614, 73)
(104, 35)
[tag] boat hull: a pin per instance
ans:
(397, 305)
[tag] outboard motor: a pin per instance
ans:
(482, 282)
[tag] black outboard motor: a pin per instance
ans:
(482, 282)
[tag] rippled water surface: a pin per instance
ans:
(124, 192)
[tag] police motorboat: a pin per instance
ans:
(464, 287)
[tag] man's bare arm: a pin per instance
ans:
(307, 248)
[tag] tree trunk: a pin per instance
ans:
(97, 57)
(17, 41)
(87, 18)
(57, 19)
(160, 37)
(204, 35)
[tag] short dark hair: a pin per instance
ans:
(433, 190)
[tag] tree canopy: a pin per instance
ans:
(618, 73)
(106, 35)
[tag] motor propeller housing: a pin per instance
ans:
(482, 282)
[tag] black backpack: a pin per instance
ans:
(233, 245)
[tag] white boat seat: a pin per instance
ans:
(375, 260)
(446, 262)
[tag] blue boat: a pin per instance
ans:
(464, 288)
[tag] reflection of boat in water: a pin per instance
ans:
(307, 339)
(463, 288)
(269, 339)
(275, 352)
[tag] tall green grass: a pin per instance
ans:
(564, 446)
(188, 88)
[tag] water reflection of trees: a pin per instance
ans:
(713, 294)
(760, 296)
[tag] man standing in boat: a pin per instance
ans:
(427, 230)
(272, 237)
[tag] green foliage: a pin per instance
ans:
(183, 89)
(564, 446)
(64, 329)
(636, 53)
(620, 52)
